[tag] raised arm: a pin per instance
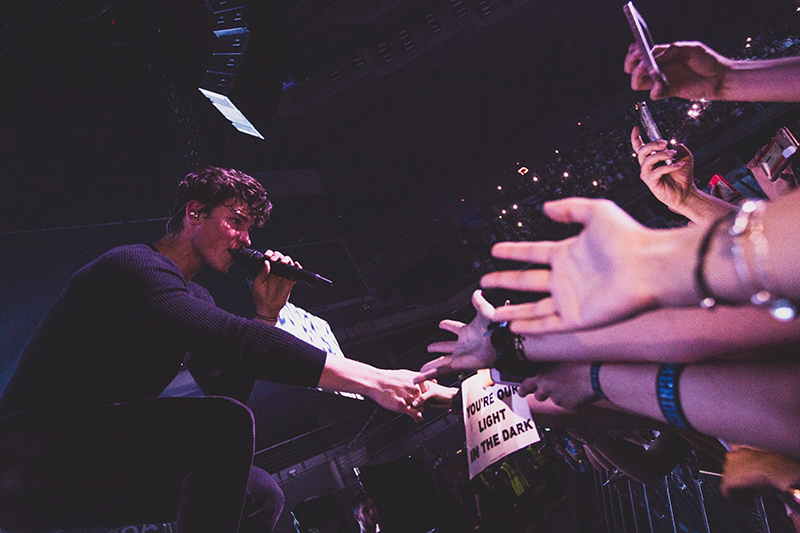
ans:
(694, 71)
(662, 335)
(667, 335)
(615, 268)
(673, 183)
(391, 389)
(730, 401)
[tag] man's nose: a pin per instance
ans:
(244, 236)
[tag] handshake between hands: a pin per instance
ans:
(566, 384)
(612, 270)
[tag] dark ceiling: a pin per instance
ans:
(401, 116)
(101, 114)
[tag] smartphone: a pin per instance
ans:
(649, 125)
(778, 153)
(516, 374)
(504, 378)
(643, 38)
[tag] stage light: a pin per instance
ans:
(514, 206)
(522, 170)
(226, 62)
(246, 90)
(231, 112)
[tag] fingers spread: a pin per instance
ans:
(542, 308)
(547, 324)
(483, 307)
(524, 280)
(578, 210)
(529, 252)
(442, 347)
(453, 326)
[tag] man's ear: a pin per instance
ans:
(194, 210)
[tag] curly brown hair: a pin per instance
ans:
(212, 186)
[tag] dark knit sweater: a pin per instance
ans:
(121, 328)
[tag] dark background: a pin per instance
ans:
(372, 165)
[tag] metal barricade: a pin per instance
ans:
(677, 503)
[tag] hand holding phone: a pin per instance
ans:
(649, 125)
(643, 40)
(776, 155)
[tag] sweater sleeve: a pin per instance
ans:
(162, 305)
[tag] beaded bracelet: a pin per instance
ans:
(594, 376)
(749, 223)
(669, 400)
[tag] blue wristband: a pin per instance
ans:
(668, 398)
(594, 376)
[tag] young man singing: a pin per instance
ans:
(84, 438)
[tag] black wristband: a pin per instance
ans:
(594, 376)
(669, 400)
(707, 299)
(510, 351)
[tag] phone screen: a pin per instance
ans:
(642, 35)
(649, 125)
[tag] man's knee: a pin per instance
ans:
(229, 417)
(263, 504)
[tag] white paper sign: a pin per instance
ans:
(497, 421)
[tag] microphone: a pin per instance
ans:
(255, 260)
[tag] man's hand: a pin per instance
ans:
(610, 271)
(749, 472)
(692, 71)
(434, 395)
(784, 183)
(472, 350)
(672, 184)
(567, 385)
(396, 391)
(270, 293)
